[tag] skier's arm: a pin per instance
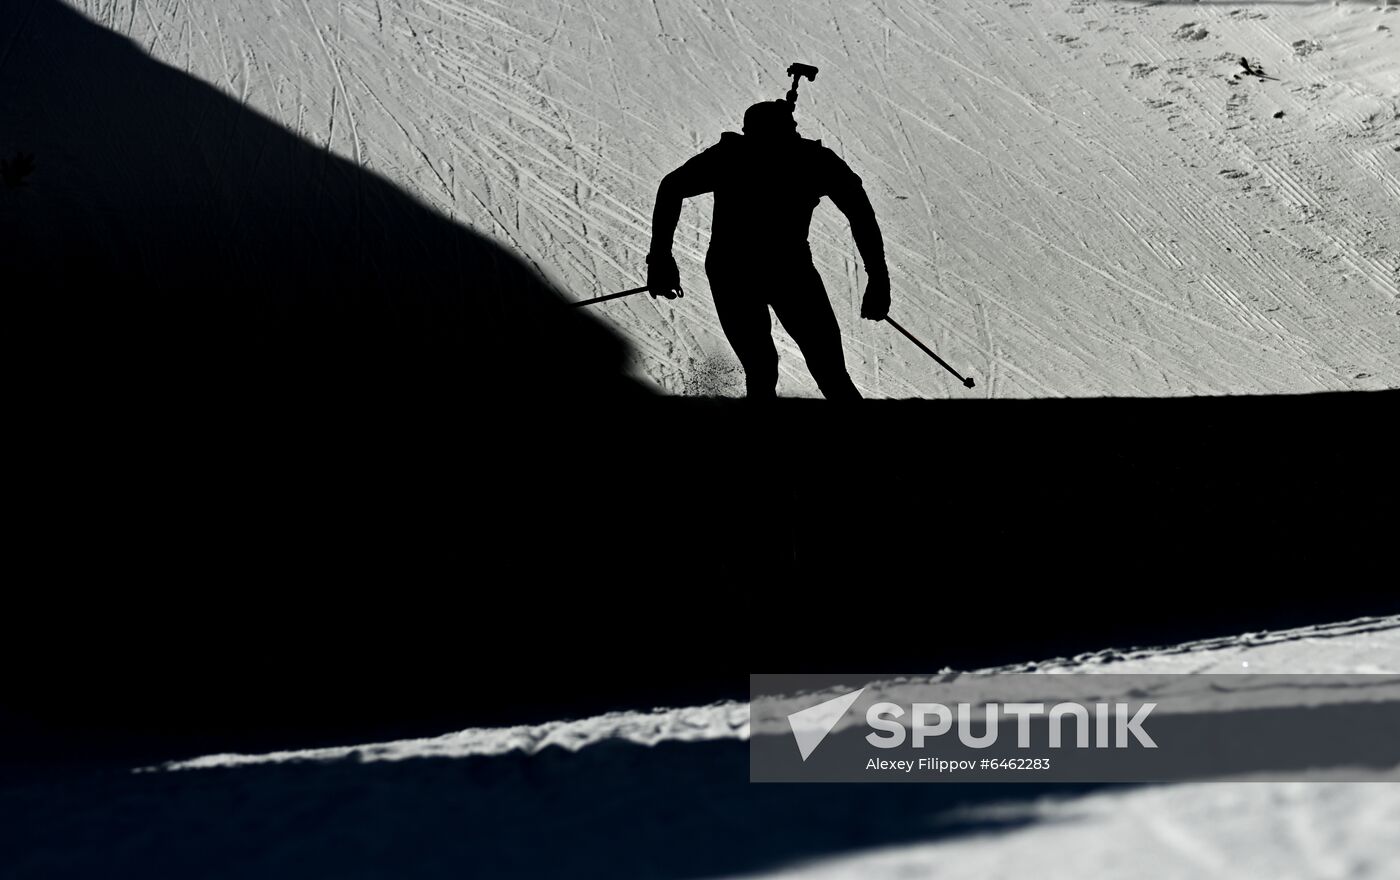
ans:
(691, 179)
(695, 177)
(848, 194)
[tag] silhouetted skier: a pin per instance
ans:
(766, 183)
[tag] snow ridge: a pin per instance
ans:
(1366, 645)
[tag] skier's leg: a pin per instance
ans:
(806, 315)
(743, 314)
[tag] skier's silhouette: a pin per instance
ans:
(766, 182)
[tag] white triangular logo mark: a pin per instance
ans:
(810, 726)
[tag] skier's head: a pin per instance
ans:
(770, 120)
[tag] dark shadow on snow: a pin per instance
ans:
(247, 375)
(174, 253)
(611, 809)
(708, 539)
(675, 810)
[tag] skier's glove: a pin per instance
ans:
(663, 278)
(876, 304)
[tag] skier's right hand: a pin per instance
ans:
(876, 304)
(663, 278)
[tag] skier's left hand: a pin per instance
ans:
(876, 304)
(663, 278)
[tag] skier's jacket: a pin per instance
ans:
(765, 191)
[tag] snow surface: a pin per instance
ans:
(1077, 197)
(665, 794)
(1240, 829)
(1225, 828)
(1366, 646)
(1273, 830)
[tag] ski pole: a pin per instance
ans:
(928, 351)
(598, 299)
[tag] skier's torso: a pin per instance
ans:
(764, 197)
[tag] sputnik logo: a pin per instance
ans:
(811, 725)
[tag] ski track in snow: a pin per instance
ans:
(1226, 829)
(1076, 197)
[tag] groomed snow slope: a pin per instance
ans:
(1238, 829)
(1076, 197)
(665, 794)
